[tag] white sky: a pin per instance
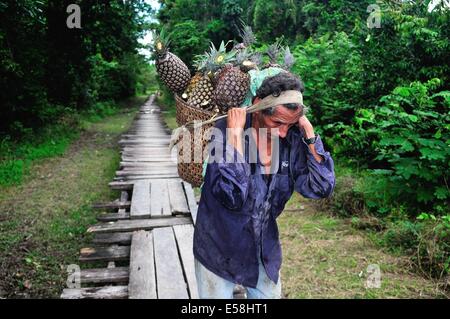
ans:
(147, 39)
(436, 2)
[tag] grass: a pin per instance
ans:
(43, 220)
(325, 257)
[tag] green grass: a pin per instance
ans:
(325, 257)
(43, 220)
(17, 157)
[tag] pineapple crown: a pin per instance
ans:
(289, 59)
(274, 51)
(247, 35)
(161, 43)
(215, 58)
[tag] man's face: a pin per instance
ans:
(282, 119)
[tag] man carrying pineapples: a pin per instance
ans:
(236, 238)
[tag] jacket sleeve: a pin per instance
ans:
(229, 177)
(313, 179)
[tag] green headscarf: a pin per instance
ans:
(257, 77)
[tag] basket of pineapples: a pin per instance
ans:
(221, 81)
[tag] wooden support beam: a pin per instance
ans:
(109, 292)
(138, 224)
(111, 253)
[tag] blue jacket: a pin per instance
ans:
(236, 219)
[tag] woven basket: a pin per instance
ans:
(191, 172)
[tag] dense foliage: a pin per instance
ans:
(48, 69)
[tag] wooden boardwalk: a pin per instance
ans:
(145, 237)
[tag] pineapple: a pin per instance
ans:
(192, 84)
(233, 83)
(201, 94)
(171, 69)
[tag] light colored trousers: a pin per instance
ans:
(211, 286)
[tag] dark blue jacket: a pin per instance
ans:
(236, 220)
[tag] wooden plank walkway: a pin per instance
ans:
(144, 237)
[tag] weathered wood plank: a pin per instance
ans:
(113, 238)
(191, 200)
(169, 274)
(184, 235)
(105, 275)
(111, 253)
(178, 201)
(140, 200)
(112, 205)
(139, 177)
(151, 166)
(110, 292)
(138, 224)
(147, 171)
(113, 217)
(125, 185)
(159, 199)
(142, 284)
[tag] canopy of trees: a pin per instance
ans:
(48, 68)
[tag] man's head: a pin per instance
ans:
(281, 117)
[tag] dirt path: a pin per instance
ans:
(325, 257)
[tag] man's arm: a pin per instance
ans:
(235, 128)
(308, 131)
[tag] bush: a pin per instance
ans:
(409, 132)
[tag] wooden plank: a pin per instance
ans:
(123, 198)
(113, 238)
(113, 217)
(104, 276)
(143, 166)
(178, 201)
(142, 284)
(150, 166)
(138, 224)
(147, 171)
(140, 200)
(139, 177)
(169, 274)
(191, 200)
(112, 205)
(109, 292)
(159, 199)
(111, 253)
(128, 185)
(184, 235)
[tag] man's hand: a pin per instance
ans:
(306, 126)
(235, 128)
(308, 131)
(236, 118)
